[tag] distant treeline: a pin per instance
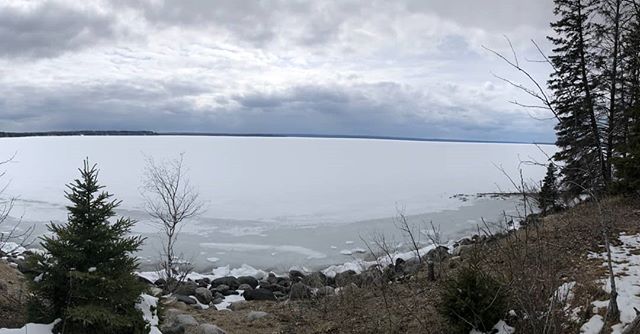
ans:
(271, 135)
(77, 133)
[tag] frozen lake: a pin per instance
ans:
(277, 202)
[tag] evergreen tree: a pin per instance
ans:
(575, 86)
(627, 164)
(86, 276)
(549, 194)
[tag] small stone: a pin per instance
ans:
(239, 305)
(255, 315)
(209, 329)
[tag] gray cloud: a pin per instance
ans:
(50, 28)
(390, 68)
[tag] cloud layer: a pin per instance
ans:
(353, 67)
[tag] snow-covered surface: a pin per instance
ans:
(500, 328)
(626, 266)
(11, 248)
(148, 305)
(593, 326)
(244, 270)
(230, 299)
(275, 202)
(29, 329)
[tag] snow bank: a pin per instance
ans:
(30, 329)
(626, 265)
(500, 328)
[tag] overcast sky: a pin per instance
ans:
(413, 68)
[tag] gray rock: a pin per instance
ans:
(272, 278)
(180, 306)
(437, 254)
(296, 275)
(187, 288)
(229, 281)
(299, 291)
(255, 315)
(186, 320)
(325, 291)
(175, 329)
(217, 301)
(462, 250)
(315, 279)
(185, 299)
(346, 277)
(252, 281)
(245, 286)
(209, 329)
(239, 305)
(259, 294)
(280, 295)
(222, 288)
(203, 295)
(171, 314)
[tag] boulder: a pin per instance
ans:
(259, 294)
(255, 315)
(222, 288)
(272, 278)
(462, 250)
(229, 281)
(299, 291)
(187, 288)
(346, 277)
(315, 280)
(325, 291)
(296, 275)
(209, 329)
(185, 299)
(174, 329)
(437, 254)
(185, 320)
(252, 281)
(161, 282)
(203, 295)
(245, 286)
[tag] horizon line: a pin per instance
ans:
(256, 134)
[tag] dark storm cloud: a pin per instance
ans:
(50, 28)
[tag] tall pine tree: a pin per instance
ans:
(575, 90)
(86, 276)
(627, 163)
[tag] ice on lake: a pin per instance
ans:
(277, 202)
